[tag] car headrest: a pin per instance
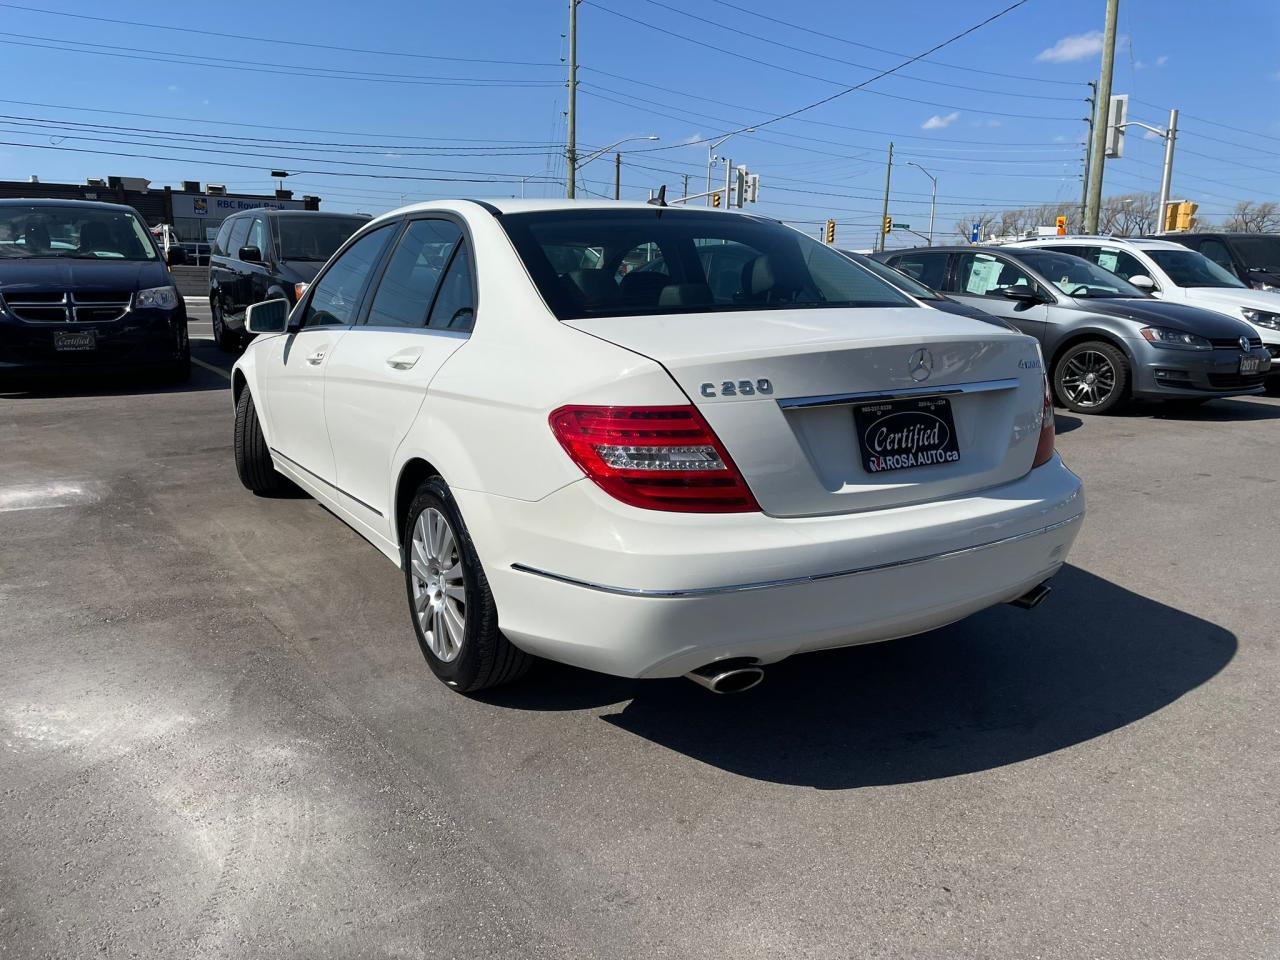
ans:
(685, 295)
(758, 277)
(593, 286)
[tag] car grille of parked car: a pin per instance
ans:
(64, 307)
(1234, 381)
(1233, 343)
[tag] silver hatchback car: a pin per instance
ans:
(1104, 340)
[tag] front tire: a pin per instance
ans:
(453, 612)
(253, 458)
(1092, 377)
(224, 338)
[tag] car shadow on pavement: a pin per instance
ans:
(1225, 410)
(91, 383)
(1065, 423)
(1003, 686)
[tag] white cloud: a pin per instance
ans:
(1162, 60)
(1151, 135)
(693, 138)
(173, 88)
(1076, 47)
(937, 122)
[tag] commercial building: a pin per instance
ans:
(195, 214)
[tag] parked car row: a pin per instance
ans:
(1116, 319)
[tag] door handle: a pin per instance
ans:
(316, 358)
(404, 360)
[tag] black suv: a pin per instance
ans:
(1253, 257)
(83, 289)
(264, 254)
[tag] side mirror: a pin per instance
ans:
(1142, 282)
(1022, 294)
(250, 255)
(270, 316)
(175, 256)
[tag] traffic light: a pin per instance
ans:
(1061, 224)
(1187, 214)
(831, 231)
(1171, 217)
(888, 225)
(753, 187)
(715, 199)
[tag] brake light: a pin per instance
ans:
(659, 458)
(1044, 450)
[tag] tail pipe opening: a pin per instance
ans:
(1032, 598)
(728, 676)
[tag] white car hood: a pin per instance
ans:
(1230, 300)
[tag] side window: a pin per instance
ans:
(409, 282)
(1217, 251)
(1086, 253)
(983, 275)
(220, 242)
(335, 297)
(257, 236)
(1122, 264)
(929, 268)
(239, 231)
(455, 306)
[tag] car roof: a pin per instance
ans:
(254, 211)
(1080, 240)
(54, 202)
(507, 205)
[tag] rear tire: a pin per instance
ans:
(453, 612)
(253, 458)
(1092, 377)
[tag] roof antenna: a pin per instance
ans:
(660, 200)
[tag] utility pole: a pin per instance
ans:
(888, 174)
(728, 181)
(617, 176)
(1097, 153)
(1088, 137)
(1166, 179)
(571, 147)
(686, 186)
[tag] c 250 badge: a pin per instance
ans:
(737, 388)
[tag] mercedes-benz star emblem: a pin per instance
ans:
(1244, 344)
(920, 365)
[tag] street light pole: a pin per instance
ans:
(1166, 178)
(617, 160)
(711, 159)
(933, 202)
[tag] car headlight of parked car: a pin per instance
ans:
(160, 298)
(1261, 318)
(1164, 337)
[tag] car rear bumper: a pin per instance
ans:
(1166, 373)
(584, 580)
(141, 338)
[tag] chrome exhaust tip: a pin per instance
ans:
(1032, 598)
(728, 676)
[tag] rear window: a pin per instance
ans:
(314, 238)
(618, 263)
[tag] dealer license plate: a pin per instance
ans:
(901, 434)
(75, 340)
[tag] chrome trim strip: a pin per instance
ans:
(791, 581)
(840, 399)
(295, 463)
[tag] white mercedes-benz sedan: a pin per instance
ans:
(653, 441)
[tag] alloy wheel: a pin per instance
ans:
(439, 590)
(1088, 379)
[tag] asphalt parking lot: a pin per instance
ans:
(220, 740)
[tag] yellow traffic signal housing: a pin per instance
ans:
(1061, 224)
(1187, 214)
(1171, 217)
(715, 199)
(888, 225)
(831, 231)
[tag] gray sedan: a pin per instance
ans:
(1104, 340)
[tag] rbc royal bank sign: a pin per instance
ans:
(186, 205)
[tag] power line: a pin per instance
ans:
(892, 53)
(274, 41)
(861, 66)
(253, 66)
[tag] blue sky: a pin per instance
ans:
(996, 116)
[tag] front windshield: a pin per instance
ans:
(633, 262)
(314, 238)
(1259, 253)
(41, 231)
(1187, 268)
(1077, 277)
(900, 280)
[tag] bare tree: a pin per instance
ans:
(1253, 217)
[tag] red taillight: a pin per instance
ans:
(661, 458)
(1044, 450)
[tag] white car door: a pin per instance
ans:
(292, 377)
(420, 312)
